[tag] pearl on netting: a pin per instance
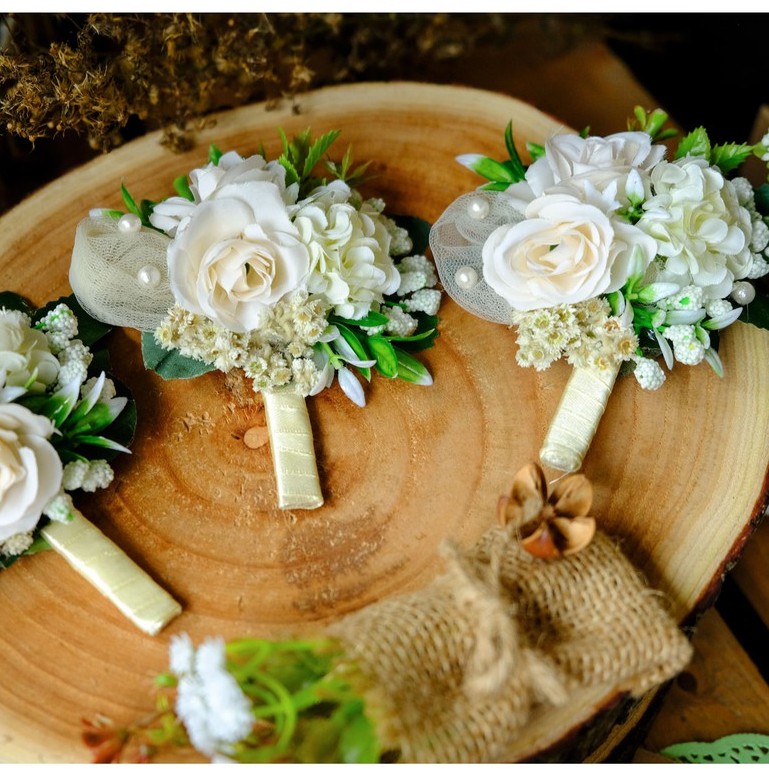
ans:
(128, 223)
(148, 276)
(743, 293)
(466, 277)
(478, 208)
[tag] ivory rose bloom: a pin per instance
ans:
(173, 214)
(350, 263)
(579, 166)
(24, 354)
(564, 252)
(238, 255)
(30, 469)
(703, 234)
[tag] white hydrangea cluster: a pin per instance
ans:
(584, 333)
(16, 544)
(689, 347)
(759, 240)
(648, 373)
(88, 476)
(213, 708)
(276, 355)
(61, 328)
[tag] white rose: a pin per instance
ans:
(238, 255)
(350, 264)
(565, 251)
(703, 234)
(24, 354)
(173, 214)
(30, 469)
(576, 166)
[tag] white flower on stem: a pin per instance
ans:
(687, 347)
(351, 386)
(702, 232)
(237, 256)
(648, 373)
(173, 214)
(210, 703)
(350, 263)
(26, 362)
(565, 251)
(576, 166)
(30, 469)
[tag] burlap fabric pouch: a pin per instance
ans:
(457, 670)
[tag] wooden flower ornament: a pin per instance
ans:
(550, 525)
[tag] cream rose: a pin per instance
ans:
(238, 255)
(703, 234)
(24, 354)
(30, 469)
(173, 214)
(350, 264)
(580, 166)
(565, 251)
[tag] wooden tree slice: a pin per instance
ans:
(679, 474)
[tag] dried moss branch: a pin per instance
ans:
(95, 74)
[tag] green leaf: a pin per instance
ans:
(130, 203)
(495, 171)
(170, 364)
(730, 156)
(536, 151)
(214, 154)
(695, 144)
(411, 370)
(385, 354)
(495, 186)
(12, 301)
(358, 743)
(318, 150)
(371, 320)
(182, 187)
(515, 164)
(89, 330)
(101, 442)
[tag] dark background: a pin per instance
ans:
(704, 68)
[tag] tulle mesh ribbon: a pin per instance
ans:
(456, 241)
(121, 278)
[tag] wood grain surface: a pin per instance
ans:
(678, 474)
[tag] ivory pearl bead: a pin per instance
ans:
(129, 223)
(743, 293)
(149, 276)
(478, 208)
(466, 277)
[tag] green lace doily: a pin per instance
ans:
(732, 749)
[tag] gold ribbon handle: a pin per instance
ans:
(576, 419)
(98, 559)
(293, 452)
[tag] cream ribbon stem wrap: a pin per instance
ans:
(576, 419)
(112, 573)
(293, 453)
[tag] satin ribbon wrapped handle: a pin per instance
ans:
(98, 559)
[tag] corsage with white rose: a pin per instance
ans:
(604, 252)
(62, 422)
(272, 269)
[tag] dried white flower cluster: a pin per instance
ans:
(277, 355)
(585, 333)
